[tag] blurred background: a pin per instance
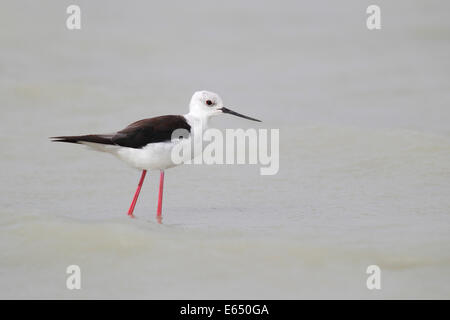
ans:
(364, 150)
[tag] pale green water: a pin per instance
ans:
(365, 150)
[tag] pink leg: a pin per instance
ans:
(136, 195)
(160, 197)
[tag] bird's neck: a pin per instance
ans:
(198, 122)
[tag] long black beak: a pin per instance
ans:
(225, 110)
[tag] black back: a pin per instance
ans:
(143, 132)
(136, 135)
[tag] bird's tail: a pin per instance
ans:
(92, 138)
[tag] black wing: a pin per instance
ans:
(95, 138)
(143, 132)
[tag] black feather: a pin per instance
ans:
(136, 135)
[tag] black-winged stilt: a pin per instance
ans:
(147, 145)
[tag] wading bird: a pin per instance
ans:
(147, 144)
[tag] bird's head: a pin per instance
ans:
(207, 104)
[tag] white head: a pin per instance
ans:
(205, 104)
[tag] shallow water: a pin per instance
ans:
(364, 151)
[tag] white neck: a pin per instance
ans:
(197, 122)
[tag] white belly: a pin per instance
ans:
(154, 156)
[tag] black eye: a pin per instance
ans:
(209, 102)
